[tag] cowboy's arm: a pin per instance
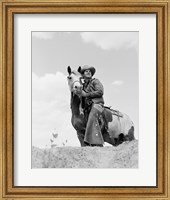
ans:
(97, 92)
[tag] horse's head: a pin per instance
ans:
(74, 80)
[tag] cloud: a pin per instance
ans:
(50, 87)
(111, 40)
(118, 83)
(48, 35)
(51, 110)
(44, 35)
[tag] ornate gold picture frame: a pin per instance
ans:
(8, 9)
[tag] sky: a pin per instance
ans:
(115, 57)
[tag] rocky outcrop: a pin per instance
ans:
(122, 156)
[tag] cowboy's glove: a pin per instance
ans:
(84, 94)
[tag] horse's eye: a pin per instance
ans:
(69, 77)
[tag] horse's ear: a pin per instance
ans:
(69, 70)
(79, 69)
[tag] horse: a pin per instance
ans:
(116, 126)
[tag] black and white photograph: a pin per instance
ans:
(85, 99)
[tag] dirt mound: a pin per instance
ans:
(122, 156)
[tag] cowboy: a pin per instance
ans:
(93, 95)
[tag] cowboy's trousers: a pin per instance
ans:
(93, 134)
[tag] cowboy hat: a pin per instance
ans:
(86, 67)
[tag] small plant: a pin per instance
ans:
(64, 143)
(54, 142)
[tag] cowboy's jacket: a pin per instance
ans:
(94, 90)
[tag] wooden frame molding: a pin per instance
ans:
(8, 9)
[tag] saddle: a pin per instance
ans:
(107, 115)
(108, 112)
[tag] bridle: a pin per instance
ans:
(76, 81)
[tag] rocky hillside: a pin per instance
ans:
(122, 156)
